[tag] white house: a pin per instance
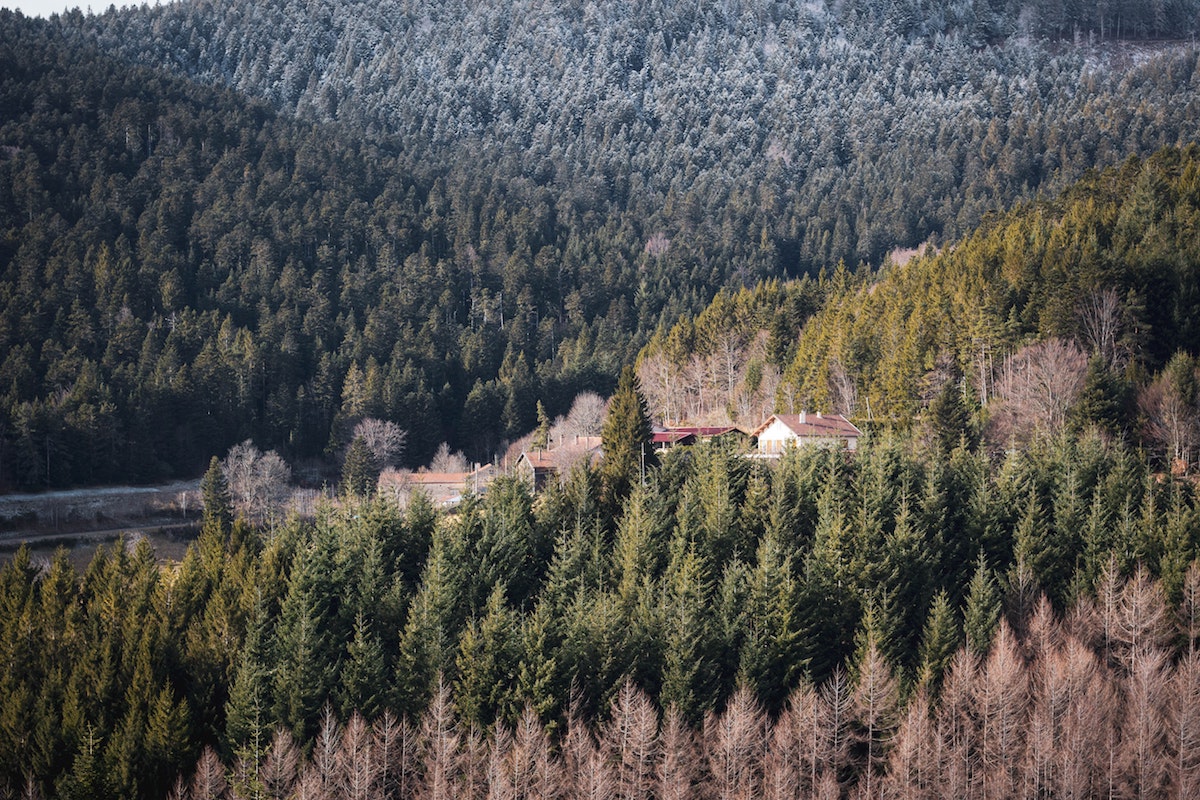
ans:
(805, 430)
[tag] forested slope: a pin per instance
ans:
(181, 269)
(784, 136)
(462, 224)
(1070, 310)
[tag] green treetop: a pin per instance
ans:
(625, 437)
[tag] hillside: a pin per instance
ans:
(781, 137)
(182, 269)
(1104, 275)
(227, 221)
(440, 225)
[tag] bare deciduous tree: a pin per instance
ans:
(1172, 421)
(958, 761)
(876, 697)
(589, 775)
(1038, 385)
(499, 772)
(1144, 761)
(396, 753)
(802, 729)
(474, 765)
(326, 752)
(1002, 704)
(587, 414)
(259, 482)
(1141, 618)
(677, 766)
(358, 767)
(734, 743)
(445, 461)
(1184, 715)
(842, 389)
(208, 783)
(528, 767)
(660, 385)
(384, 439)
(280, 766)
(1101, 319)
(910, 771)
(440, 740)
(631, 739)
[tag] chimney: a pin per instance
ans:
(803, 416)
(818, 415)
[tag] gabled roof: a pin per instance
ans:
(673, 436)
(579, 448)
(706, 432)
(540, 459)
(814, 425)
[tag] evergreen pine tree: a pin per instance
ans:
(218, 504)
(360, 472)
(939, 641)
(541, 435)
(950, 419)
(364, 679)
(688, 660)
(487, 662)
(88, 777)
(982, 613)
(247, 713)
(626, 440)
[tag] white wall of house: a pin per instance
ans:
(774, 439)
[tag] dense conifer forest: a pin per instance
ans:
(937, 623)
(444, 216)
(274, 223)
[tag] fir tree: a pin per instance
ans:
(626, 438)
(982, 613)
(939, 641)
(360, 471)
(541, 435)
(364, 685)
(950, 419)
(218, 504)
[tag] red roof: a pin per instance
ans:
(816, 425)
(706, 432)
(541, 459)
(673, 436)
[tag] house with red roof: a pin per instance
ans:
(540, 466)
(805, 430)
(444, 489)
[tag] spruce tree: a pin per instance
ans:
(939, 641)
(982, 613)
(218, 505)
(950, 420)
(364, 684)
(360, 471)
(626, 438)
(541, 435)
(247, 712)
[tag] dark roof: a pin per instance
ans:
(706, 432)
